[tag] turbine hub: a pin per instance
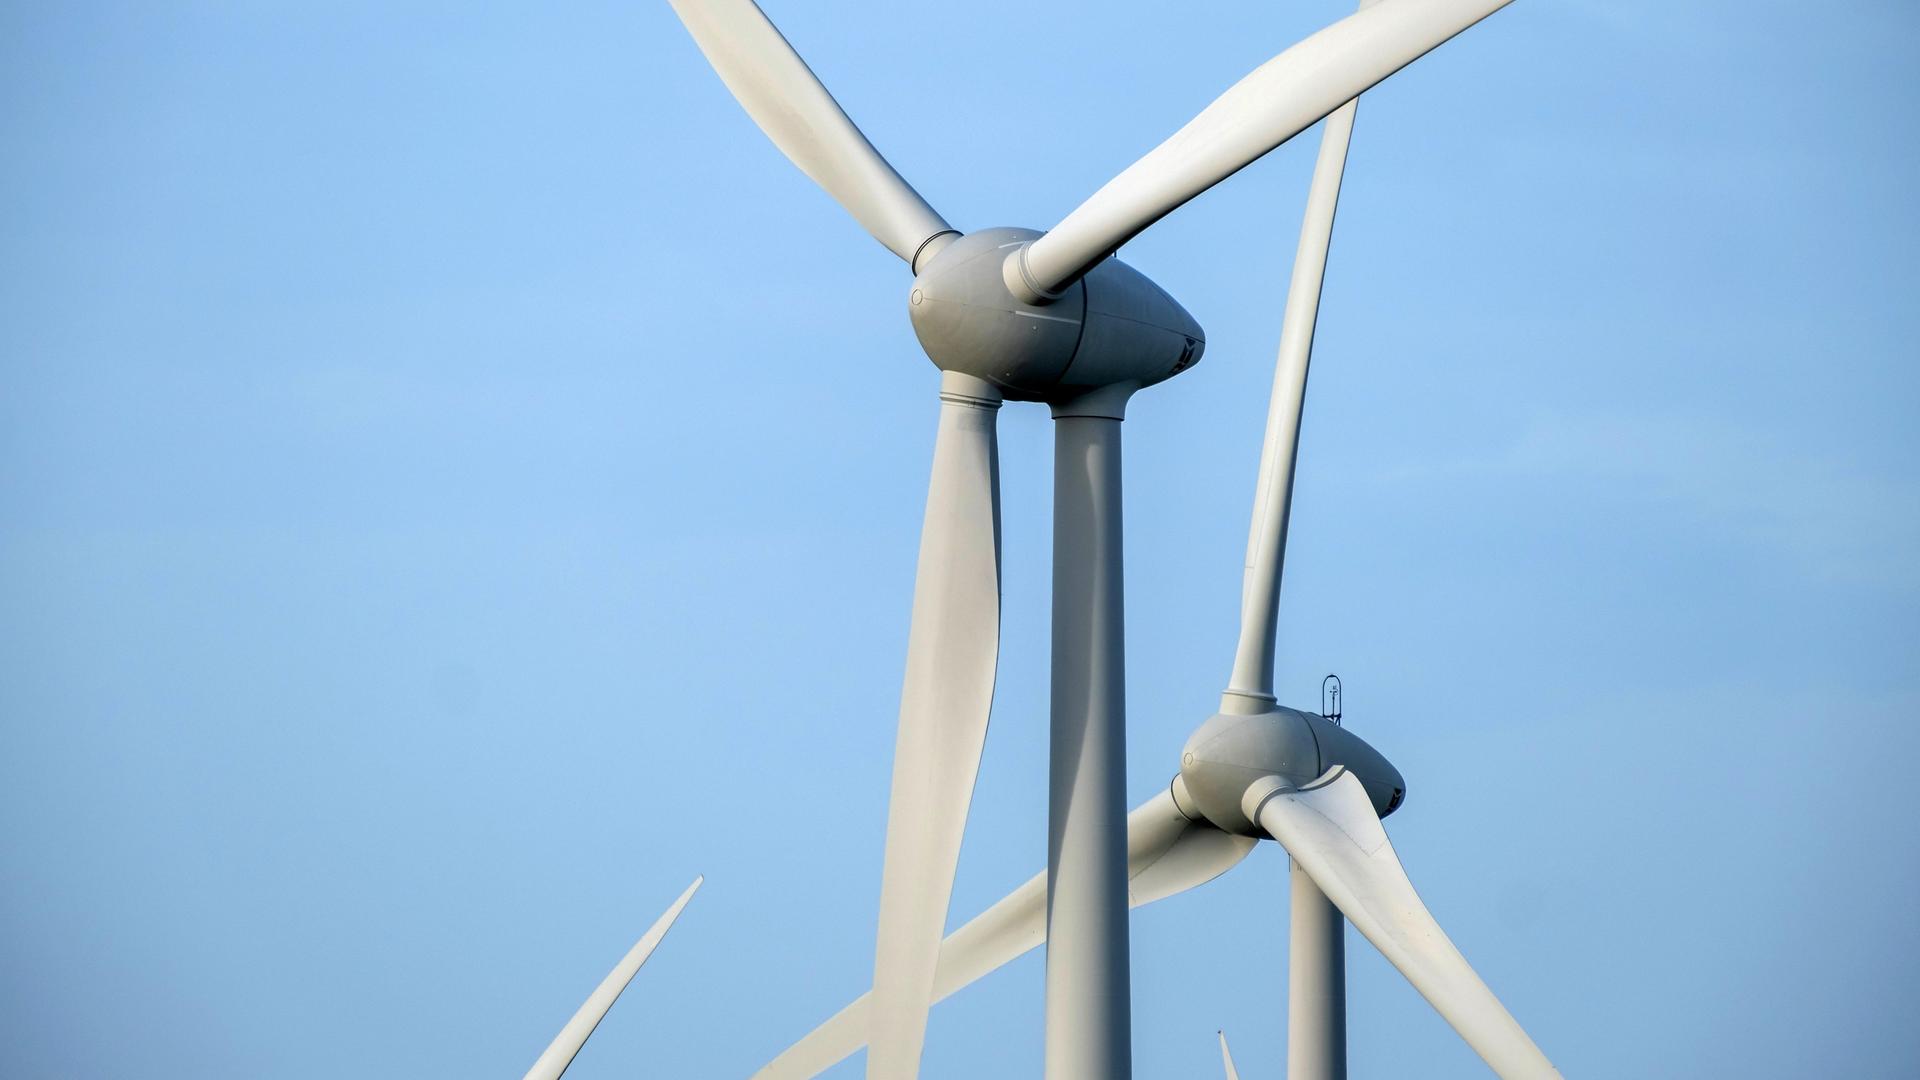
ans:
(1112, 327)
(1230, 752)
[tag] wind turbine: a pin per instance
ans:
(1320, 791)
(1255, 769)
(1014, 314)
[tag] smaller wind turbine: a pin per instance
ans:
(559, 1054)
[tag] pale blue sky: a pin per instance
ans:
(458, 482)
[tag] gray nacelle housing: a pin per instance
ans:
(1228, 753)
(1113, 326)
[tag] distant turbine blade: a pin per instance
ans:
(1226, 1057)
(952, 651)
(572, 1037)
(1330, 829)
(1280, 99)
(784, 97)
(1166, 854)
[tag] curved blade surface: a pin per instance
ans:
(1226, 1057)
(1169, 853)
(1280, 447)
(561, 1051)
(952, 651)
(789, 103)
(1280, 99)
(1331, 831)
(1166, 854)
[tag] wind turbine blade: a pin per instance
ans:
(1280, 448)
(952, 650)
(1330, 829)
(1280, 99)
(560, 1052)
(1166, 854)
(1169, 853)
(784, 97)
(1226, 1057)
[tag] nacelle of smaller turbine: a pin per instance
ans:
(1230, 752)
(1113, 326)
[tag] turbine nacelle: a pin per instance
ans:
(1230, 753)
(1112, 327)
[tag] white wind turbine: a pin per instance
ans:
(1047, 317)
(1255, 769)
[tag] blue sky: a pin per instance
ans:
(458, 482)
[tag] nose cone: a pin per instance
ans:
(1228, 753)
(968, 322)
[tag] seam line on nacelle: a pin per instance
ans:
(1079, 336)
